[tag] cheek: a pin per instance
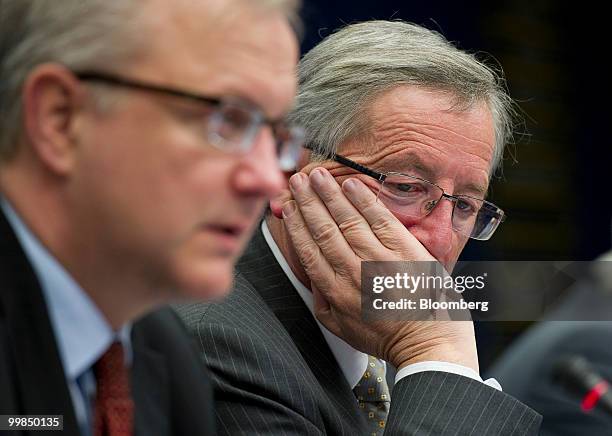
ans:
(159, 187)
(192, 180)
(202, 276)
(438, 238)
(180, 170)
(459, 242)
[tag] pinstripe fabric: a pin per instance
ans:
(274, 374)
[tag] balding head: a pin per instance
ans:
(84, 35)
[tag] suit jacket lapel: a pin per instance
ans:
(259, 266)
(150, 390)
(41, 383)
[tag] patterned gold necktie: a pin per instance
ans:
(372, 393)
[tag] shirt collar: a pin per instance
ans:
(352, 362)
(82, 332)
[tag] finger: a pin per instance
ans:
(383, 223)
(351, 223)
(276, 203)
(322, 227)
(314, 263)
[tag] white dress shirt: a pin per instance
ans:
(352, 362)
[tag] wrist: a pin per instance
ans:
(450, 353)
(452, 342)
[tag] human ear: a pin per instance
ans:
(51, 98)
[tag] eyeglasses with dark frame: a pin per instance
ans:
(415, 197)
(232, 126)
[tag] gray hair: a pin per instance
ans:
(347, 70)
(80, 34)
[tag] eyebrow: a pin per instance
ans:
(411, 160)
(480, 190)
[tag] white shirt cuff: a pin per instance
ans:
(432, 365)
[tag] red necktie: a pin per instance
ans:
(114, 409)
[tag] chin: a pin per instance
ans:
(209, 283)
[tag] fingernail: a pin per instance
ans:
(297, 180)
(317, 176)
(288, 209)
(350, 186)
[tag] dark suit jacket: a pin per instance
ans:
(273, 372)
(171, 390)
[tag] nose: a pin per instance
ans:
(259, 174)
(435, 232)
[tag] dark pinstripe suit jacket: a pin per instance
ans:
(273, 372)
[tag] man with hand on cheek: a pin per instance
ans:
(404, 131)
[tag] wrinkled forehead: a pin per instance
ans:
(425, 133)
(411, 115)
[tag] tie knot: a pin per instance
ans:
(111, 373)
(373, 384)
(111, 361)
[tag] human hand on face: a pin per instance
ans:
(333, 229)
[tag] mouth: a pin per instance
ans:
(228, 237)
(236, 231)
(229, 230)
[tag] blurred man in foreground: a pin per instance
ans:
(395, 113)
(137, 154)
